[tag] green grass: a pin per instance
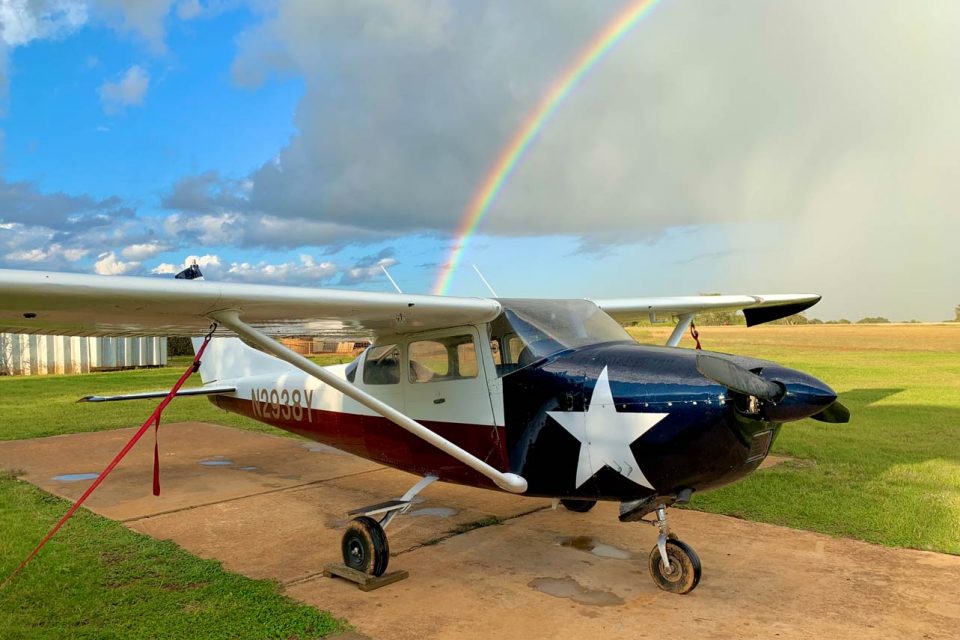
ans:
(890, 476)
(33, 407)
(98, 579)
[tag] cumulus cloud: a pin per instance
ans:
(23, 203)
(46, 254)
(776, 120)
(306, 270)
(369, 268)
(129, 89)
(144, 250)
(108, 264)
(23, 21)
(142, 18)
(205, 262)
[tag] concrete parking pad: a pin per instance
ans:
(270, 507)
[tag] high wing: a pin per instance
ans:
(90, 305)
(757, 309)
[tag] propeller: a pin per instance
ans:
(737, 378)
(836, 413)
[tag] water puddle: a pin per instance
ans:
(571, 589)
(599, 549)
(436, 512)
(75, 477)
(248, 468)
(220, 462)
(316, 447)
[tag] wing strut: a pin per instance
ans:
(683, 323)
(506, 481)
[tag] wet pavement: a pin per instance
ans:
(484, 563)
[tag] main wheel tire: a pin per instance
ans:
(365, 546)
(684, 573)
(580, 506)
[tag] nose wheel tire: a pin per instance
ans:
(579, 506)
(365, 547)
(683, 575)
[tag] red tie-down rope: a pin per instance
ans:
(153, 420)
(695, 334)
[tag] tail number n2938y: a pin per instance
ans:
(283, 403)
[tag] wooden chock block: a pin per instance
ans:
(364, 581)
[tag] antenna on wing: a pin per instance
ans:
(485, 281)
(392, 281)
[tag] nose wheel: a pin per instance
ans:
(674, 565)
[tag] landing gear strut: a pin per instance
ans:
(674, 565)
(364, 544)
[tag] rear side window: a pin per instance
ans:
(447, 358)
(382, 365)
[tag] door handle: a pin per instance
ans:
(439, 401)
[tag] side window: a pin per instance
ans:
(382, 365)
(514, 347)
(448, 358)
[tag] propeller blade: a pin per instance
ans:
(836, 413)
(737, 378)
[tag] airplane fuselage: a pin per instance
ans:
(614, 421)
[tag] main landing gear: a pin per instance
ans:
(674, 565)
(364, 545)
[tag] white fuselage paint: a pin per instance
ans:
(283, 392)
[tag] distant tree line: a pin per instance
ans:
(179, 346)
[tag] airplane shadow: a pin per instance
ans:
(891, 475)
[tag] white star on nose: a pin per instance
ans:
(605, 434)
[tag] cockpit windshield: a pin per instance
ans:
(528, 330)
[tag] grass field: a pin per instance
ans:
(96, 578)
(891, 476)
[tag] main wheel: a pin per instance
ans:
(684, 573)
(580, 506)
(365, 546)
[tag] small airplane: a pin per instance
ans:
(548, 398)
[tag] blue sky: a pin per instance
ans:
(752, 147)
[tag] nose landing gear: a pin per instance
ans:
(674, 565)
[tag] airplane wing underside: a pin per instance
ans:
(756, 308)
(90, 305)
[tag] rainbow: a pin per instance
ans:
(510, 156)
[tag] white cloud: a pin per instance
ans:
(207, 262)
(143, 251)
(369, 268)
(306, 271)
(107, 264)
(129, 90)
(22, 21)
(208, 229)
(753, 115)
(165, 268)
(46, 254)
(143, 18)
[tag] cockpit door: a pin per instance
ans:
(446, 378)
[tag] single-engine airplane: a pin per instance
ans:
(539, 397)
